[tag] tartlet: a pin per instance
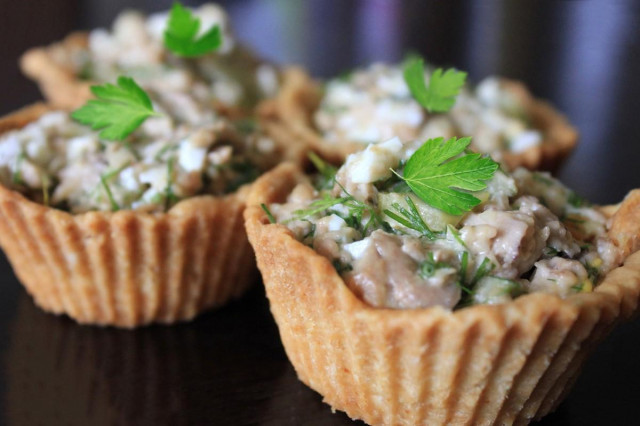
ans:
(232, 79)
(485, 364)
(291, 117)
(129, 267)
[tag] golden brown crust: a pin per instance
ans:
(58, 82)
(127, 268)
(625, 223)
(498, 364)
(560, 136)
(291, 113)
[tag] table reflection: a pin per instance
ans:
(227, 367)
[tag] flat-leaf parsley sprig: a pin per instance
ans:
(443, 87)
(117, 111)
(181, 34)
(440, 176)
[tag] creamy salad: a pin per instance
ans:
(529, 234)
(61, 163)
(375, 104)
(134, 47)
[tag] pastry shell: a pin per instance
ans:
(289, 117)
(50, 68)
(126, 268)
(500, 364)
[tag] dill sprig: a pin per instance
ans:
(429, 266)
(356, 210)
(268, 213)
(104, 181)
(456, 235)
(411, 219)
(16, 176)
(576, 200)
(114, 204)
(483, 270)
(464, 265)
(170, 198)
(168, 147)
(327, 172)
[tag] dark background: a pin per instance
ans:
(228, 366)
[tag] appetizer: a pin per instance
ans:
(180, 53)
(422, 284)
(139, 223)
(383, 101)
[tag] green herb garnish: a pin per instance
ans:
(356, 210)
(170, 198)
(104, 181)
(428, 268)
(312, 230)
(411, 218)
(456, 235)
(16, 176)
(393, 183)
(181, 35)
(578, 287)
(550, 251)
(114, 204)
(319, 206)
(118, 111)
(327, 171)
(592, 271)
(164, 150)
(573, 219)
(437, 167)
(576, 201)
(268, 213)
(341, 267)
(464, 264)
(443, 87)
(485, 268)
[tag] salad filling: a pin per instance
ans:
(58, 162)
(527, 233)
(375, 104)
(134, 46)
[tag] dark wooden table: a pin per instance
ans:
(228, 366)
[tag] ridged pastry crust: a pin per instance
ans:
(289, 116)
(499, 364)
(126, 268)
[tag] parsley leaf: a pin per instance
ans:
(436, 168)
(180, 37)
(118, 111)
(443, 85)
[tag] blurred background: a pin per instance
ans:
(582, 55)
